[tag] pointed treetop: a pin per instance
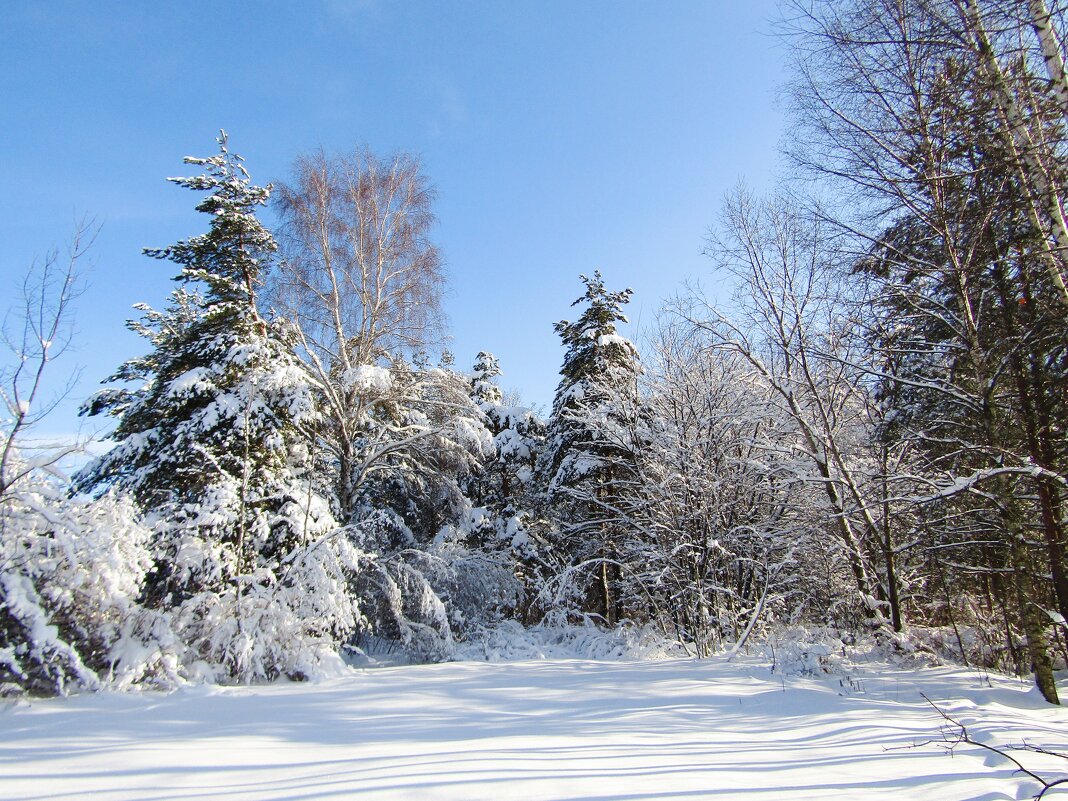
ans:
(232, 255)
(594, 348)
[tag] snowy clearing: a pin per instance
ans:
(561, 729)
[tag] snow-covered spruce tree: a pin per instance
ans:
(505, 482)
(209, 444)
(484, 387)
(500, 526)
(583, 468)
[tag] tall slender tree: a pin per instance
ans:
(582, 466)
(361, 279)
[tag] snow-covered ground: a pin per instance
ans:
(559, 729)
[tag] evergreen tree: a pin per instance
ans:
(586, 459)
(484, 389)
(503, 524)
(209, 444)
(517, 433)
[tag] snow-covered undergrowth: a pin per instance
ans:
(553, 729)
(509, 642)
(790, 650)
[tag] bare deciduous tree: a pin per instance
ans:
(930, 117)
(360, 273)
(36, 333)
(361, 280)
(793, 329)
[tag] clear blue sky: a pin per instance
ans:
(562, 137)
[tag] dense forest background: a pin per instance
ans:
(869, 436)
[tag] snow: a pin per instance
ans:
(194, 380)
(368, 377)
(560, 729)
(604, 340)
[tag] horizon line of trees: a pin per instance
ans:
(870, 435)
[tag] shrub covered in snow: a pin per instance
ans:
(510, 641)
(70, 572)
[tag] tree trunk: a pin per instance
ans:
(1034, 621)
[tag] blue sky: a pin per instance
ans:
(562, 137)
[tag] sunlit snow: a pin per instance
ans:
(537, 730)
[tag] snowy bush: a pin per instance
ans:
(510, 641)
(395, 595)
(478, 557)
(287, 622)
(70, 572)
(816, 650)
(421, 599)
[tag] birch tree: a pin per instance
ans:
(361, 280)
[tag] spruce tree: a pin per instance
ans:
(517, 437)
(586, 455)
(209, 439)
